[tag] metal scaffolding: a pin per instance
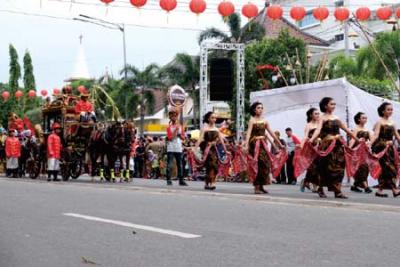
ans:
(204, 94)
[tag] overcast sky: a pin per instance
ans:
(54, 43)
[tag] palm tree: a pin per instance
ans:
(185, 71)
(144, 81)
(388, 47)
(252, 31)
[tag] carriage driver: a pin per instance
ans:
(54, 152)
(85, 109)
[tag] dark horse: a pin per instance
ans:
(112, 143)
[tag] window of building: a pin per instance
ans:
(308, 20)
(339, 3)
(339, 37)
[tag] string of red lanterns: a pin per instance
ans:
(274, 12)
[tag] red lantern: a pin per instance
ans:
(363, 13)
(274, 12)
(138, 3)
(18, 94)
(250, 10)
(321, 13)
(56, 91)
(5, 95)
(384, 13)
(168, 5)
(43, 92)
(31, 93)
(298, 13)
(107, 1)
(197, 6)
(81, 89)
(342, 14)
(398, 13)
(226, 8)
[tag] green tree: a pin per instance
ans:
(237, 34)
(143, 81)
(185, 71)
(15, 70)
(29, 78)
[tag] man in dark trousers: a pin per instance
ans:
(175, 136)
(291, 142)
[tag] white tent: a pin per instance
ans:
(286, 107)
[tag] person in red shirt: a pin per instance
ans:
(54, 152)
(13, 153)
(85, 109)
(291, 143)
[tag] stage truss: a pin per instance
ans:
(204, 95)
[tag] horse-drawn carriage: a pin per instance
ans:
(75, 134)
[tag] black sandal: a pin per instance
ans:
(396, 194)
(341, 195)
(381, 195)
(321, 194)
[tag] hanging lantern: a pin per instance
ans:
(197, 6)
(250, 10)
(43, 92)
(56, 91)
(18, 94)
(398, 13)
(5, 95)
(342, 14)
(321, 13)
(226, 8)
(31, 93)
(274, 12)
(138, 3)
(384, 13)
(107, 2)
(297, 13)
(168, 5)
(363, 13)
(81, 89)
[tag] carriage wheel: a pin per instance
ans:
(64, 172)
(34, 170)
(76, 169)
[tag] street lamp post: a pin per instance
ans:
(112, 26)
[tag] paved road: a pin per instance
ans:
(65, 224)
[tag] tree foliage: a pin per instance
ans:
(15, 70)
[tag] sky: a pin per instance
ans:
(54, 42)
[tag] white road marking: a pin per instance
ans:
(132, 225)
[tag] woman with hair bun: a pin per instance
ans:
(361, 175)
(210, 138)
(261, 160)
(332, 165)
(312, 175)
(384, 134)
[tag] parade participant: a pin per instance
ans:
(384, 133)
(54, 152)
(261, 160)
(210, 137)
(331, 167)
(13, 153)
(312, 175)
(361, 175)
(85, 109)
(291, 143)
(3, 137)
(175, 136)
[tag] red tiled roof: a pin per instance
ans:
(274, 27)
